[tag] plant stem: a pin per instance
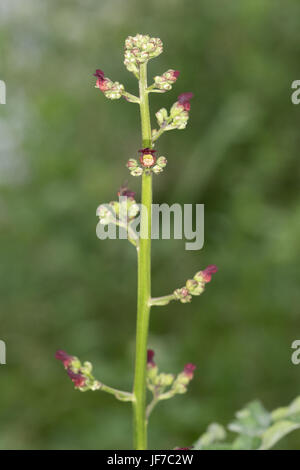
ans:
(144, 279)
(164, 300)
(119, 394)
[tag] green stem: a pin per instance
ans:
(164, 300)
(119, 394)
(144, 279)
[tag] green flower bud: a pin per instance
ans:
(137, 171)
(105, 215)
(194, 287)
(179, 387)
(161, 116)
(157, 169)
(139, 49)
(133, 210)
(164, 380)
(162, 162)
(115, 91)
(132, 163)
(183, 295)
(191, 284)
(152, 373)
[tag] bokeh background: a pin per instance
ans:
(63, 149)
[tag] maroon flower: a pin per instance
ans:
(77, 379)
(150, 356)
(189, 370)
(65, 358)
(184, 100)
(102, 82)
(125, 192)
(175, 74)
(147, 157)
(207, 272)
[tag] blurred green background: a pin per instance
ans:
(63, 149)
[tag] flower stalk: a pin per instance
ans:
(123, 214)
(144, 278)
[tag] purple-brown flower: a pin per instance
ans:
(77, 378)
(102, 82)
(189, 370)
(184, 100)
(174, 74)
(65, 358)
(150, 356)
(125, 192)
(207, 272)
(147, 157)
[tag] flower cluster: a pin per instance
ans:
(165, 81)
(164, 386)
(196, 285)
(118, 212)
(148, 162)
(80, 374)
(178, 117)
(139, 49)
(112, 90)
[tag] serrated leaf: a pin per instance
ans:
(251, 420)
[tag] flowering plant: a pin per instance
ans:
(139, 50)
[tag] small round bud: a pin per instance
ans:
(137, 171)
(157, 169)
(161, 116)
(162, 162)
(132, 163)
(133, 210)
(191, 285)
(183, 295)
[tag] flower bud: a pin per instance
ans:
(139, 49)
(137, 171)
(65, 358)
(161, 116)
(78, 379)
(162, 162)
(184, 100)
(157, 169)
(164, 82)
(112, 90)
(183, 295)
(150, 356)
(205, 275)
(188, 370)
(191, 284)
(132, 163)
(164, 380)
(194, 287)
(133, 210)
(106, 214)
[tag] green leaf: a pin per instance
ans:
(276, 432)
(214, 433)
(251, 420)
